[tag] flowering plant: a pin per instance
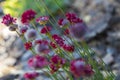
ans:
(54, 52)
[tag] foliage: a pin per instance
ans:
(17, 7)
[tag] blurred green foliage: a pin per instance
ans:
(17, 7)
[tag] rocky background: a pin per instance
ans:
(103, 20)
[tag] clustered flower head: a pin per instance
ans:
(27, 16)
(8, 20)
(28, 45)
(75, 25)
(30, 34)
(37, 62)
(45, 30)
(80, 69)
(31, 75)
(56, 62)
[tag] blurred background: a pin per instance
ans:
(101, 16)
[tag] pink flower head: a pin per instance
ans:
(42, 20)
(53, 45)
(69, 48)
(56, 62)
(31, 75)
(59, 40)
(73, 18)
(42, 47)
(23, 30)
(45, 30)
(37, 62)
(80, 69)
(8, 20)
(27, 16)
(28, 45)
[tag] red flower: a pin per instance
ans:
(37, 62)
(28, 45)
(42, 20)
(31, 75)
(45, 30)
(27, 16)
(73, 18)
(58, 40)
(69, 48)
(80, 69)
(56, 62)
(8, 20)
(53, 45)
(60, 21)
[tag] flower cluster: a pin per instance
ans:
(42, 43)
(80, 69)
(56, 62)
(75, 26)
(9, 21)
(27, 16)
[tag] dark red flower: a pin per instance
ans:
(58, 40)
(60, 21)
(28, 45)
(52, 44)
(45, 30)
(8, 20)
(27, 16)
(56, 62)
(31, 75)
(73, 18)
(69, 48)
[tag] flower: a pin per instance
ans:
(42, 20)
(8, 20)
(28, 45)
(52, 44)
(78, 30)
(30, 34)
(42, 46)
(23, 30)
(58, 40)
(80, 69)
(37, 62)
(31, 75)
(27, 16)
(56, 62)
(72, 18)
(69, 48)
(45, 30)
